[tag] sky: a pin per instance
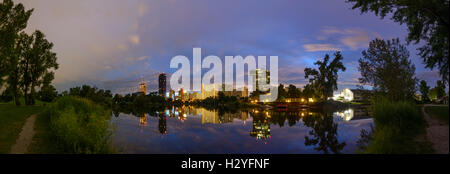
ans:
(113, 44)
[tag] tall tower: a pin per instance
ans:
(162, 84)
(143, 88)
(260, 75)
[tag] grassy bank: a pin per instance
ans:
(439, 112)
(73, 125)
(12, 119)
(397, 126)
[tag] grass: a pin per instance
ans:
(439, 112)
(397, 126)
(43, 140)
(73, 125)
(12, 119)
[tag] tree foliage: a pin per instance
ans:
(424, 90)
(26, 61)
(47, 93)
(36, 63)
(386, 66)
(13, 20)
(427, 21)
(324, 79)
(438, 91)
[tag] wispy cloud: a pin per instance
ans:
(320, 47)
(353, 38)
(134, 39)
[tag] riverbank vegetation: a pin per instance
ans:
(397, 124)
(76, 125)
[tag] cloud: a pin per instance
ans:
(142, 58)
(357, 40)
(354, 38)
(320, 47)
(134, 39)
(107, 67)
(122, 47)
(143, 9)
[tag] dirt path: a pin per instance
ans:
(437, 133)
(25, 137)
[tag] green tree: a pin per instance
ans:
(324, 80)
(427, 21)
(47, 93)
(424, 90)
(282, 94)
(293, 91)
(386, 66)
(308, 91)
(440, 89)
(13, 20)
(36, 63)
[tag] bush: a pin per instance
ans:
(80, 126)
(402, 115)
(396, 126)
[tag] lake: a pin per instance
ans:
(190, 130)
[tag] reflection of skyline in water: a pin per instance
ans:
(261, 119)
(257, 124)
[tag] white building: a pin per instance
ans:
(352, 95)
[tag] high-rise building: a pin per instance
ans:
(260, 76)
(162, 84)
(143, 88)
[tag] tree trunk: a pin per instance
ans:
(32, 102)
(25, 95)
(16, 97)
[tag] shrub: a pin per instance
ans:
(396, 126)
(80, 126)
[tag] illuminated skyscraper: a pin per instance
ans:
(260, 76)
(143, 88)
(162, 84)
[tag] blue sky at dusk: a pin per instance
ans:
(113, 41)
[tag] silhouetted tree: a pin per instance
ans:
(427, 21)
(282, 94)
(424, 90)
(293, 92)
(386, 66)
(324, 80)
(438, 91)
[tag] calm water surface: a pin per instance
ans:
(197, 130)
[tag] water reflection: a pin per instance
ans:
(324, 133)
(261, 126)
(143, 119)
(317, 131)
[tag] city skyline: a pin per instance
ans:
(134, 39)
